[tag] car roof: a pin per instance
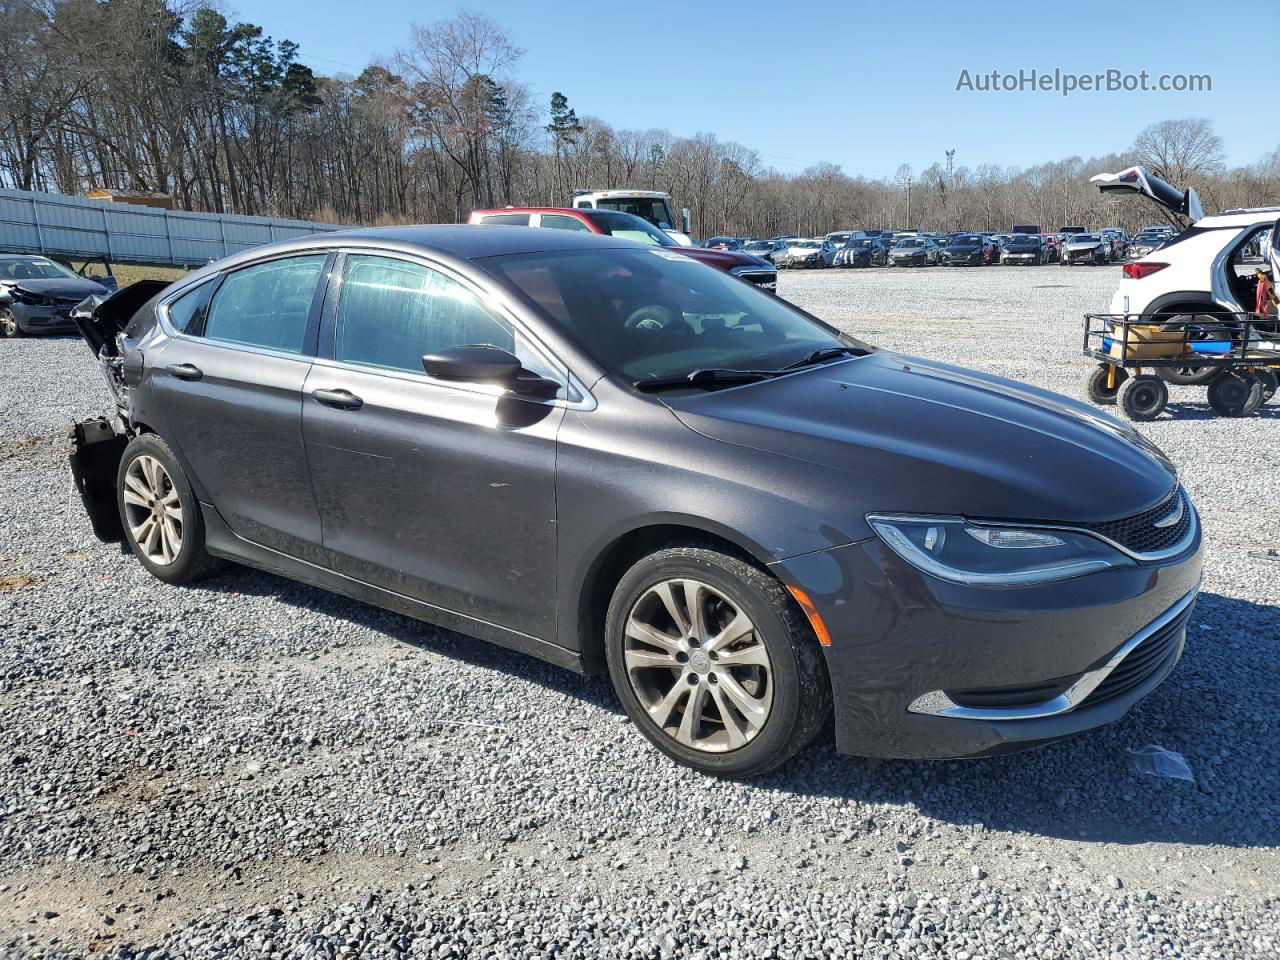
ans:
(447, 241)
(1240, 218)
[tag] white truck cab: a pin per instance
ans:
(652, 205)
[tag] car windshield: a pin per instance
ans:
(860, 242)
(34, 269)
(647, 314)
(807, 244)
(655, 211)
(628, 227)
(911, 243)
(1023, 238)
(968, 240)
(761, 245)
(1085, 238)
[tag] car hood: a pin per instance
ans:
(962, 247)
(60, 287)
(724, 259)
(932, 438)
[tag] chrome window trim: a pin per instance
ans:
(496, 391)
(936, 702)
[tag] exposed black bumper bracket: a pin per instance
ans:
(96, 449)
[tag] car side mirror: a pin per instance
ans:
(481, 363)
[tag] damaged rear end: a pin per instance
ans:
(97, 444)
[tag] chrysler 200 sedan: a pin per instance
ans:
(617, 459)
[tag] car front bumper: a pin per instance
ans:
(1020, 257)
(42, 319)
(904, 642)
(963, 259)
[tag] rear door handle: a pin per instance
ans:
(185, 371)
(341, 399)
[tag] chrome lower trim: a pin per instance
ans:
(936, 703)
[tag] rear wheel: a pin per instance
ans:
(160, 515)
(1190, 374)
(1099, 391)
(714, 662)
(1143, 397)
(1235, 393)
(9, 328)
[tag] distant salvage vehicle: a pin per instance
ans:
(968, 250)
(914, 251)
(1026, 249)
(810, 253)
(862, 252)
(37, 294)
(1086, 248)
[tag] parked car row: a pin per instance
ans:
(1025, 245)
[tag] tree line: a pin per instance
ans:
(158, 95)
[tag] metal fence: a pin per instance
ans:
(62, 226)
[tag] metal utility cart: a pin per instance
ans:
(1236, 354)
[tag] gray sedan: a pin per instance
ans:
(37, 294)
(620, 460)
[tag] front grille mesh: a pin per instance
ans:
(1151, 655)
(1139, 532)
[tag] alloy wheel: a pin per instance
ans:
(153, 510)
(9, 324)
(698, 666)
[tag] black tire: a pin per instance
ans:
(1143, 397)
(9, 328)
(1190, 375)
(1099, 392)
(192, 561)
(801, 689)
(1270, 382)
(1235, 393)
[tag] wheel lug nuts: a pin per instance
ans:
(682, 658)
(713, 678)
(693, 679)
(713, 655)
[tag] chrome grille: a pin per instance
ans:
(1140, 534)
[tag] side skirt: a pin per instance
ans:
(222, 541)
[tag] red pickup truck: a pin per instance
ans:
(626, 226)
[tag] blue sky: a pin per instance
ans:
(866, 86)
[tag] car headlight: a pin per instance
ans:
(961, 551)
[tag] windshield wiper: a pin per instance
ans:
(705, 377)
(823, 354)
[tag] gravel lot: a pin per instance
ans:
(253, 768)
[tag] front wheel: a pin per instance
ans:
(159, 512)
(714, 662)
(9, 328)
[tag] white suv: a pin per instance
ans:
(1197, 273)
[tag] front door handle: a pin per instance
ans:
(185, 371)
(341, 399)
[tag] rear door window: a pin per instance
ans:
(507, 219)
(558, 221)
(267, 305)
